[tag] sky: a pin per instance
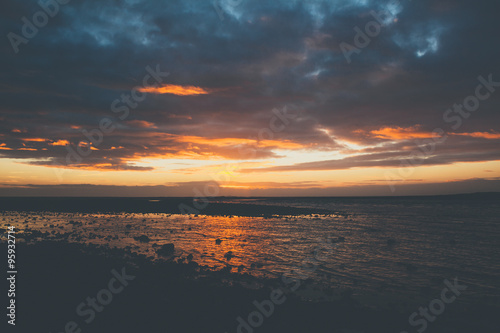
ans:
(249, 97)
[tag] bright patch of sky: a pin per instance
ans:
(421, 41)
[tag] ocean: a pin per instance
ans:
(385, 252)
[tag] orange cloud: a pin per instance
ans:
(484, 135)
(270, 185)
(166, 145)
(35, 140)
(175, 90)
(3, 147)
(400, 133)
(218, 142)
(60, 143)
(52, 143)
(141, 124)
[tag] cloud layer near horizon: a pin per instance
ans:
(266, 190)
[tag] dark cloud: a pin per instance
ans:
(279, 189)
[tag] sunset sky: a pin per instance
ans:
(258, 96)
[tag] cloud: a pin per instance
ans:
(141, 124)
(255, 190)
(227, 76)
(484, 135)
(175, 90)
(59, 143)
(400, 156)
(399, 133)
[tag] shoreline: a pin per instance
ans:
(147, 205)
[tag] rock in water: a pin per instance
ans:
(142, 239)
(166, 250)
(229, 255)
